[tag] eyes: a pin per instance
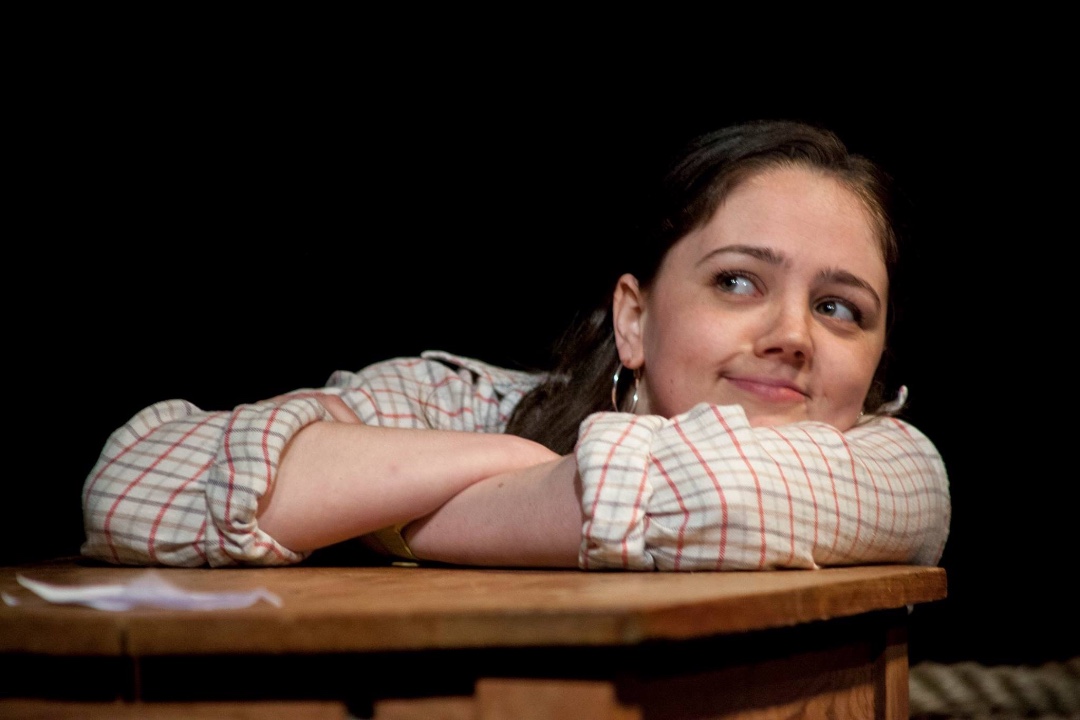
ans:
(747, 285)
(839, 309)
(735, 283)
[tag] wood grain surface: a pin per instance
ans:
(346, 609)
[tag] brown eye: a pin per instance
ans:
(839, 309)
(735, 283)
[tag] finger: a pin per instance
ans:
(338, 409)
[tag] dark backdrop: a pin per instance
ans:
(221, 225)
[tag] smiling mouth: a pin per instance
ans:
(770, 391)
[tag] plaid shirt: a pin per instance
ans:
(180, 486)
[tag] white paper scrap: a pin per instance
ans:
(148, 589)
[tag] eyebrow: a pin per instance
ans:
(770, 256)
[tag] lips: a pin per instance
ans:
(769, 390)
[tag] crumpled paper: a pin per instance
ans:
(148, 590)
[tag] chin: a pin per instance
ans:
(773, 419)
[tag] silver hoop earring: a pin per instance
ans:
(615, 391)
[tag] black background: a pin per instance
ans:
(226, 213)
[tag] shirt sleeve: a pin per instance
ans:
(180, 486)
(706, 491)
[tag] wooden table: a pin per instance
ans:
(418, 642)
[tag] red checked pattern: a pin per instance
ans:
(705, 491)
(180, 486)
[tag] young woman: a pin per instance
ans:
(723, 410)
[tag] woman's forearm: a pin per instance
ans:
(340, 480)
(527, 517)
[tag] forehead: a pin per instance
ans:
(805, 215)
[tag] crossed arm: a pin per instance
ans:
(476, 498)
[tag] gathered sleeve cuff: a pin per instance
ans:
(706, 491)
(179, 486)
(243, 471)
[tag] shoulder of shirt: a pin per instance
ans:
(502, 379)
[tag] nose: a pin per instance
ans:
(787, 333)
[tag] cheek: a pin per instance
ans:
(684, 336)
(683, 355)
(853, 372)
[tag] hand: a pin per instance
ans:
(337, 408)
(332, 403)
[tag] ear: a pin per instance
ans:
(628, 315)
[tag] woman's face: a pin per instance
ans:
(777, 304)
